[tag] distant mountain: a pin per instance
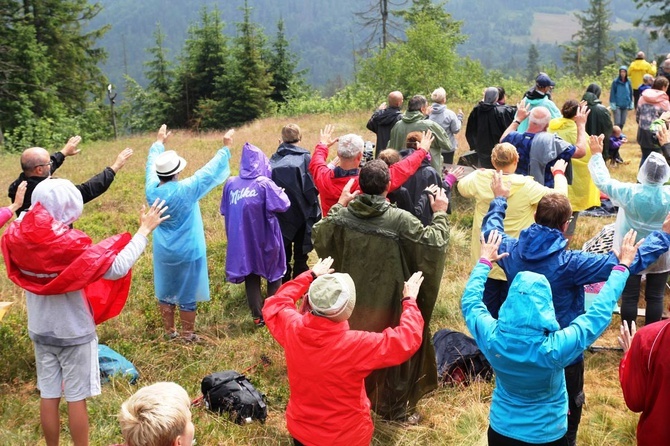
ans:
(325, 33)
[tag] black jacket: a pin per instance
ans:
(381, 122)
(290, 170)
(93, 188)
(486, 124)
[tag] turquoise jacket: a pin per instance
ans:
(528, 350)
(539, 102)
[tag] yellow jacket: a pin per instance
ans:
(583, 193)
(525, 193)
(637, 69)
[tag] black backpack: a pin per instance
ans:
(459, 360)
(232, 393)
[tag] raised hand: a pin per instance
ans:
(559, 165)
(323, 266)
(20, 195)
(489, 248)
(596, 143)
(439, 202)
(522, 111)
(149, 220)
(626, 338)
(70, 148)
(427, 139)
(228, 138)
(582, 113)
(628, 248)
(326, 135)
(413, 285)
(163, 134)
(121, 159)
(458, 172)
(498, 185)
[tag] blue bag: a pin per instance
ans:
(114, 364)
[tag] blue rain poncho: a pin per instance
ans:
(179, 252)
(642, 207)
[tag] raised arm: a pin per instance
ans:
(213, 173)
(522, 112)
(580, 119)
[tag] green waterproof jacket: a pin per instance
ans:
(415, 121)
(381, 246)
(599, 120)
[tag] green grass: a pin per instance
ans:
(452, 416)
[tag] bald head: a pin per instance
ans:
(538, 121)
(395, 99)
(35, 162)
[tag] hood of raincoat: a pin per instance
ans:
(654, 96)
(534, 95)
(655, 170)
(61, 199)
(539, 242)
(413, 116)
(595, 89)
(591, 99)
(558, 125)
(286, 149)
(368, 206)
(437, 109)
(254, 162)
(528, 309)
(491, 95)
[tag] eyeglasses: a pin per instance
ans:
(50, 163)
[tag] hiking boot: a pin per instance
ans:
(259, 322)
(190, 338)
(414, 419)
(171, 336)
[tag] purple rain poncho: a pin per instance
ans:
(249, 205)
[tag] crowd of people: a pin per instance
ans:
(355, 327)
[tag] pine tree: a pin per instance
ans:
(282, 63)
(203, 63)
(248, 85)
(422, 10)
(533, 66)
(591, 48)
(658, 21)
(61, 27)
(159, 72)
(378, 20)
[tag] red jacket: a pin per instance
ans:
(330, 187)
(327, 365)
(644, 374)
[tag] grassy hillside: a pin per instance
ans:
(452, 416)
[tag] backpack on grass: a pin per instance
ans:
(459, 360)
(113, 363)
(233, 394)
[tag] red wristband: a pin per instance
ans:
(557, 171)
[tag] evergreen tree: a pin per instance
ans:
(591, 48)
(248, 85)
(658, 21)
(435, 12)
(282, 63)
(203, 63)
(61, 27)
(159, 72)
(533, 66)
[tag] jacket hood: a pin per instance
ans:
(528, 309)
(654, 96)
(413, 116)
(437, 109)
(623, 67)
(556, 125)
(285, 149)
(539, 242)
(485, 106)
(368, 206)
(388, 116)
(591, 99)
(254, 162)
(595, 89)
(533, 94)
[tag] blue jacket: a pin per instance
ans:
(621, 94)
(528, 351)
(542, 250)
(538, 100)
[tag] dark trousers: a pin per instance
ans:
(495, 293)
(297, 443)
(252, 286)
(496, 439)
(294, 250)
(574, 384)
(654, 292)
